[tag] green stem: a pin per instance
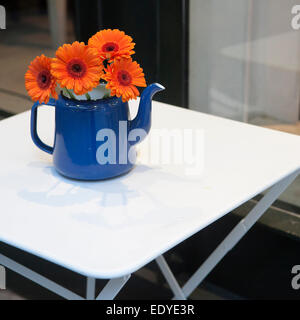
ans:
(88, 97)
(70, 94)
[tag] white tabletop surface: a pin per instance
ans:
(110, 228)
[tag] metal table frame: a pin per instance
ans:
(113, 286)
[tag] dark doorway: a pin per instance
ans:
(159, 29)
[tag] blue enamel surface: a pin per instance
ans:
(76, 126)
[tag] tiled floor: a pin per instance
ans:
(20, 43)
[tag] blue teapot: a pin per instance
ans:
(95, 139)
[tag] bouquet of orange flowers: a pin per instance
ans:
(78, 68)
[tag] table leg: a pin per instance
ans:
(37, 278)
(228, 243)
(90, 288)
(166, 271)
(237, 233)
(109, 292)
(112, 288)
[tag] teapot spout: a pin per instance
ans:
(143, 117)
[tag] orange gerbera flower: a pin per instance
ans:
(112, 44)
(39, 82)
(77, 67)
(123, 76)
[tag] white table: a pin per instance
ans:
(109, 229)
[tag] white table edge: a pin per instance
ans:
(123, 272)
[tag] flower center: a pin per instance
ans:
(44, 79)
(124, 77)
(109, 47)
(76, 68)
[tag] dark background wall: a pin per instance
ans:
(160, 31)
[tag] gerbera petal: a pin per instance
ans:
(123, 76)
(39, 82)
(77, 67)
(111, 44)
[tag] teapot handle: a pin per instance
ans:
(33, 126)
